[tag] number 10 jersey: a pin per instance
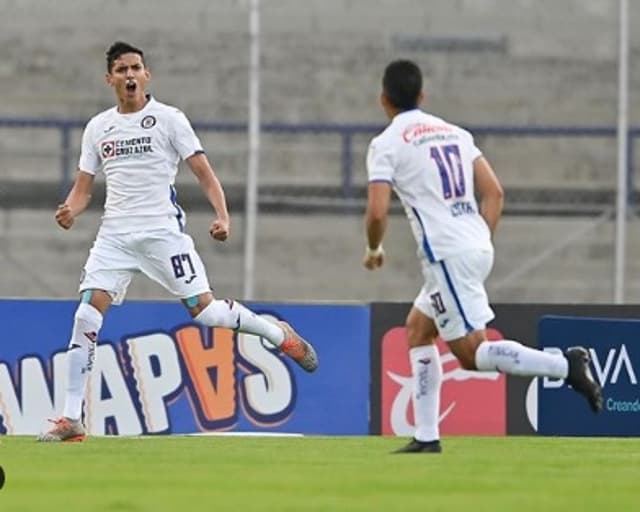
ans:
(429, 163)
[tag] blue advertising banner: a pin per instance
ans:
(614, 345)
(158, 372)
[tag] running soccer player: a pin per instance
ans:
(436, 170)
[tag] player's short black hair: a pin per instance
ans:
(118, 49)
(402, 84)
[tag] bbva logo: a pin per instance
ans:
(614, 368)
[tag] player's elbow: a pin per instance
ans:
(377, 212)
(494, 195)
(499, 193)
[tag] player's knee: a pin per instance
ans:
(99, 299)
(465, 353)
(467, 361)
(419, 338)
(420, 333)
(197, 303)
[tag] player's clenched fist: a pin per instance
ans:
(64, 217)
(219, 229)
(373, 258)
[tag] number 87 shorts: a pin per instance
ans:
(166, 256)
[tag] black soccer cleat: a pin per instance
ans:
(581, 379)
(416, 446)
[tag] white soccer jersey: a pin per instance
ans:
(139, 155)
(429, 162)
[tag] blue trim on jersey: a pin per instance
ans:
(179, 212)
(425, 242)
(380, 180)
(85, 296)
(467, 325)
(199, 152)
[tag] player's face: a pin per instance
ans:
(129, 77)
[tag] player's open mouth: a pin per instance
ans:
(131, 86)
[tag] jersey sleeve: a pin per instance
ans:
(474, 150)
(184, 138)
(380, 161)
(89, 158)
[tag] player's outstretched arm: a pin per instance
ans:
(212, 188)
(490, 191)
(77, 200)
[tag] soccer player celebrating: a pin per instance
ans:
(137, 145)
(436, 170)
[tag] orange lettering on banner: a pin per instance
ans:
(211, 369)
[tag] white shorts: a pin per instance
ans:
(166, 256)
(454, 296)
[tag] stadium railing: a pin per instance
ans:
(346, 133)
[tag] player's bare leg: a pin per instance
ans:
(231, 314)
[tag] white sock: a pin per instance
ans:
(511, 357)
(233, 315)
(426, 376)
(80, 357)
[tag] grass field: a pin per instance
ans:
(238, 474)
